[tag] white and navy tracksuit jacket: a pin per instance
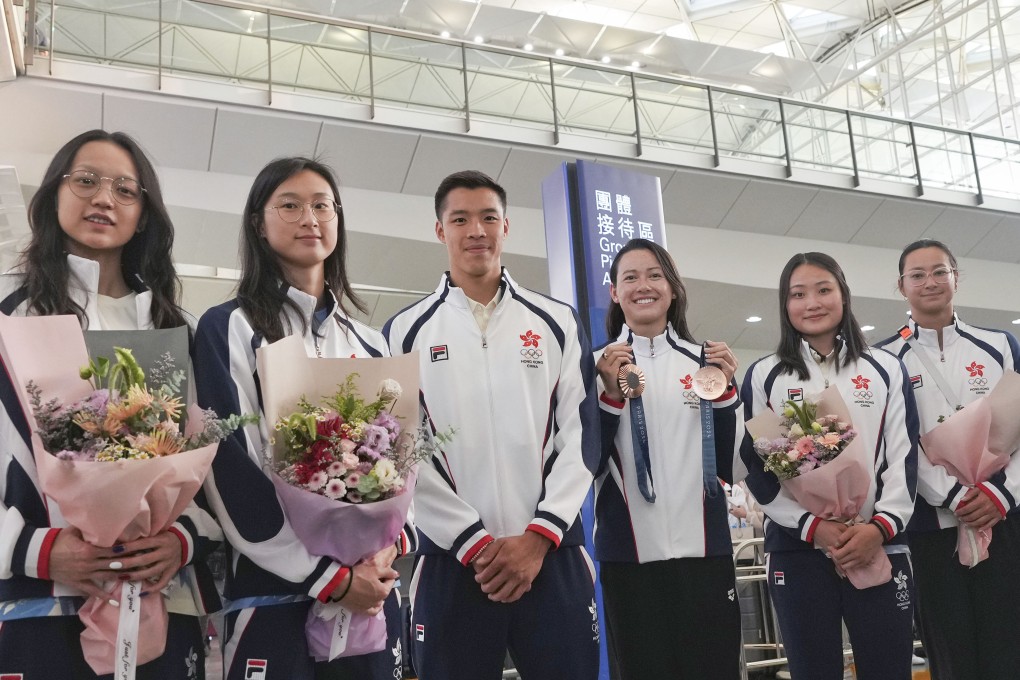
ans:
(265, 556)
(29, 523)
(877, 392)
(521, 398)
(683, 521)
(972, 360)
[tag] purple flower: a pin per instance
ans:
(376, 438)
(365, 468)
(369, 453)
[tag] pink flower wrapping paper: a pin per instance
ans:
(346, 532)
(109, 502)
(972, 445)
(836, 490)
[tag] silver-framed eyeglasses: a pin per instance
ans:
(917, 277)
(86, 184)
(323, 210)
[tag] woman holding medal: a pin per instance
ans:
(669, 432)
(100, 249)
(293, 281)
(821, 345)
(966, 614)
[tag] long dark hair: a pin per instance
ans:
(146, 256)
(850, 333)
(676, 315)
(259, 293)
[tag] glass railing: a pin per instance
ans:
(278, 51)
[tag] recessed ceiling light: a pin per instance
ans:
(635, 64)
(606, 59)
(444, 34)
(528, 47)
(479, 39)
(867, 328)
(753, 319)
(560, 52)
(1016, 322)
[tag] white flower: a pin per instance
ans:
(336, 468)
(335, 489)
(317, 481)
(386, 472)
(390, 390)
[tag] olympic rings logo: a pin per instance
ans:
(903, 595)
(980, 382)
(531, 353)
(863, 394)
(690, 395)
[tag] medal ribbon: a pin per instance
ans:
(639, 440)
(126, 659)
(709, 474)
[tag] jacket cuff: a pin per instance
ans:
(187, 542)
(329, 581)
(885, 525)
(32, 550)
(543, 526)
(472, 548)
(954, 498)
(405, 543)
(807, 531)
(610, 405)
(1002, 504)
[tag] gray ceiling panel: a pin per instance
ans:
(42, 116)
(834, 215)
(437, 157)
(524, 171)
(961, 229)
(205, 237)
(367, 157)
(896, 223)
(245, 141)
(700, 199)
(768, 207)
(160, 125)
(1001, 243)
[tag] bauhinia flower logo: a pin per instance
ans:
(531, 339)
(687, 381)
(860, 382)
(976, 369)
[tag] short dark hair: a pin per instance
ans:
(927, 243)
(790, 358)
(677, 313)
(466, 179)
(147, 256)
(258, 293)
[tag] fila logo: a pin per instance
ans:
(795, 394)
(916, 382)
(780, 578)
(439, 353)
(419, 632)
(255, 669)
(12, 676)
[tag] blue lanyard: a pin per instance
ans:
(639, 439)
(709, 474)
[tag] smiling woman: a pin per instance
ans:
(666, 552)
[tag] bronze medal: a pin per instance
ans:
(709, 382)
(631, 380)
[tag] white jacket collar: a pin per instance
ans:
(83, 287)
(928, 337)
(456, 296)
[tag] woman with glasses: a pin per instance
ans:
(293, 282)
(100, 249)
(662, 532)
(966, 613)
(821, 345)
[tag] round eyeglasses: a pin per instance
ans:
(323, 210)
(86, 184)
(917, 277)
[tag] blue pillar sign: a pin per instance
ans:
(615, 206)
(591, 211)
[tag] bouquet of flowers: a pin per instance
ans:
(349, 450)
(345, 467)
(114, 460)
(810, 442)
(822, 464)
(974, 444)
